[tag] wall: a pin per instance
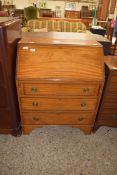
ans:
(52, 5)
(111, 16)
(115, 13)
(20, 4)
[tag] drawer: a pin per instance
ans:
(113, 84)
(57, 104)
(60, 89)
(108, 112)
(110, 101)
(3, 97)
(108, 116)
(60, 118)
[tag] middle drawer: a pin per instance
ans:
(59, 104)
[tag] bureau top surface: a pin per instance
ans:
(50, 41)
(111, 62)
(88, 38)
(66, 38)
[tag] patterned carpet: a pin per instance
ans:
(59, 151)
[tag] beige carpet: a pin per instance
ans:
(59, 151)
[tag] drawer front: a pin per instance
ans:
(112, 97)
(60, 89)
(3, 97)
(113, 84)
(61, 118)
(108, 116)
(112, 123)
(105, 112)
(110, 101)
(57, 104)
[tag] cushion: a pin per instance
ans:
(56, 25)
(40, 30)
(26, 29)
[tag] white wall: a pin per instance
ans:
(20, 4)
(111, 16)
(52, 5)
(115, 13)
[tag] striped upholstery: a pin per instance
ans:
(58, 26)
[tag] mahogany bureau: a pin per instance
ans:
(10, 33)
(107, 113)
(59, 82)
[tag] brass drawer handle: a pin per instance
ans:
(35, 103)
(83, 104)
(114, 117)
(36, 118)
(25, 48)
(81, 119)
(32, 50)
(86, 90)
(34, 89)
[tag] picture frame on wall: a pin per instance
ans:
(70, 6)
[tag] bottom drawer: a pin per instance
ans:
(60, 118)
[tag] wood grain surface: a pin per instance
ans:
(60, 62)
(76, 89)
(62, 104)
(58, 118)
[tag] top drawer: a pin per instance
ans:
(38, 89)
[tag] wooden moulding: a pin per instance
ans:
(27, 129)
